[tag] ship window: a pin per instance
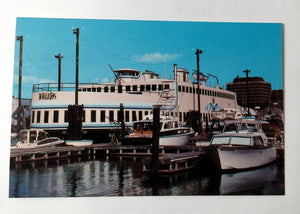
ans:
(258, 141)
(99, 89)
(102, 116)
(55, 117)
(89, 89)
(220, 140)
(106, 89)
(142, 87)
(38, 119)
(134, 88)
(93, 89)
(147, 87)
(134, 116)
(111, 116)
(127, 87)
(167, 86)
(126, 116)
(184, 77)
(119, 89)
(194, 91)
(179, 88)
(183, 89)
(187, 89)
(160, 87)
(154, 87)
(32, 117)
(66, 116)
(240, 141)
(112, 89)
(93, 116)
(46, 116)
(140, 115)
(146, 112)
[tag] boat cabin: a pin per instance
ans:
(238, 140)
(32, 136)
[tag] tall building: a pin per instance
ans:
(259, 91)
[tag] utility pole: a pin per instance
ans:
(247, 86)
(20, 38)
(198, 52)
(76, 31)
(59, 57)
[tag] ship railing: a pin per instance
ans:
(66, 86)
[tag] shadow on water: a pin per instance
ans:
(124, 177)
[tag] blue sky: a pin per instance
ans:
(228, 49)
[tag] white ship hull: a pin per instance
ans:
(239, 158)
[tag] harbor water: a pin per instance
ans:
(124, 177)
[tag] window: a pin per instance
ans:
(187, 89)
(146, 112)
(128, 87)
(183, 89)
(102, 116)
(106, 89)
(111, 116)
(99, 89)
(140, 115)
(66, 116)
(120, 89)
(32, 117)
(126, 116)
(46, 116)
(147, 87)
(112, 89)
(167, 86)
(160, 87)
(93, 116)
(93, 89)
(134, 116)
(184, 77)
(134, 88)
(142, 87)
(154, 87)
(38, 119)
(179, 88)
(55, 117)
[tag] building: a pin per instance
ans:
(259, 91)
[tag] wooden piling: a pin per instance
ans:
(155, 140)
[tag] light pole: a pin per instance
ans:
(20, 38)
(59, 57)
(198, 52)
(247, 87)
(76, 31)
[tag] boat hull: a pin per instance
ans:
(230, 158)
(168, 140)
(79, 143)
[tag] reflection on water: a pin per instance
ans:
(125, 178)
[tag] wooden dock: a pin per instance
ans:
(99, 150)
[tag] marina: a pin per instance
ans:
(145, 133)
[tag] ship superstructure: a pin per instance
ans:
(137, 91)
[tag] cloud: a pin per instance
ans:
(155, 57)
(31, 80)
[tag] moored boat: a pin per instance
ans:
(35, 138)
(171, 133)
(244, 147)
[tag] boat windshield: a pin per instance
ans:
(245, 141)
(42, 135)
(231, 127)
(23, 137)
(145, 126)
(32, 136)
(220, 140)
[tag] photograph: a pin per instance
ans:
(146, 108)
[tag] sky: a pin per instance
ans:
(228, 49)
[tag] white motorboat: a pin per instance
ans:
(246, 147)
(171, 133)
(35, 138)
(79, 143)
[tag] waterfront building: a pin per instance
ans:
(259, 91)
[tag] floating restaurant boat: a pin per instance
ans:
(171, 133)
(244, 147)
(137, 91)
(36, 138)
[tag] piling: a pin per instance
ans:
(75, 113)
(155, 140)
(121, 116)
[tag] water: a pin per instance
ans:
(124, 177)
